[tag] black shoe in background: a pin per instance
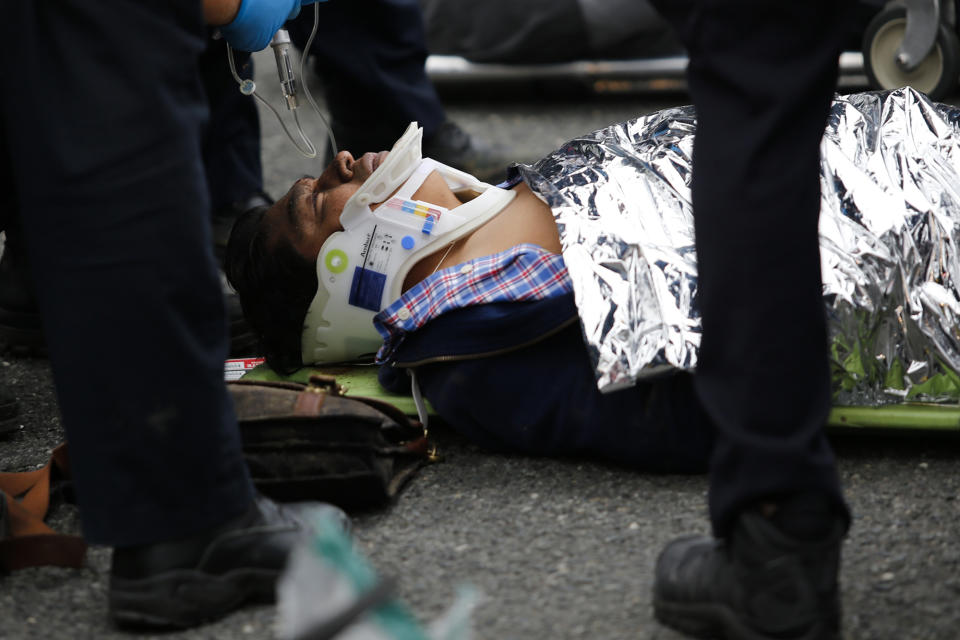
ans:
(760, 583)
(453, 146)
(449, 144)
(189, 582)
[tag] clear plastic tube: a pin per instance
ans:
(303, 78)
(248, 87)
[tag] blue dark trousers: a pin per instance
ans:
(101, 111)
(370, 57)
(762, 75)
(231, 136)
(543, 400)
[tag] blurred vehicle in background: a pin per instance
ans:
(547, 31)
(623, 46)
(604, 45)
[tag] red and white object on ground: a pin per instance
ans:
(235, 368)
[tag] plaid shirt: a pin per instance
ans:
(525, 272)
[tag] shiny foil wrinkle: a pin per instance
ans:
(890, 215)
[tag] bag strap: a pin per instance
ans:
(25, 540)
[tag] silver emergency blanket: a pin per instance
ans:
(889, 227)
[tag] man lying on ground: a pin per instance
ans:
(464, 284)
(487, 318)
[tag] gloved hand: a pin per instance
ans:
(258, 20)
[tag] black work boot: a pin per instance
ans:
(188, 582)
(760, 583)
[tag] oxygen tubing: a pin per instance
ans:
(249, 87)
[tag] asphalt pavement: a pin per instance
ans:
(557, 548)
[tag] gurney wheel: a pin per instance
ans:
(937, 74)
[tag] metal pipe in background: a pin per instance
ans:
(642, 74)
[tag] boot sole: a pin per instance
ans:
(710, 620)
(186, 598)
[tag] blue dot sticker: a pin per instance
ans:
(407, 242)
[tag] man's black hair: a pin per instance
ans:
(275, 285)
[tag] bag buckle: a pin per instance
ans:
(322, 383)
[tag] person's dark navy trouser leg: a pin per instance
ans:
(102, 108)
(231, 137)
(543, 400)
(370, 57)
(762, 75)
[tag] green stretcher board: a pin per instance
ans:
(362, 381)
(914, 415)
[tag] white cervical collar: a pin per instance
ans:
(361, 269)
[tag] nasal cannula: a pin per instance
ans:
(288, 83)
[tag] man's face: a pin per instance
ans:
(310, 211)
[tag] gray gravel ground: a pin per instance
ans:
(558, 548)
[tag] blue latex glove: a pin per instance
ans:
(258, 20)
